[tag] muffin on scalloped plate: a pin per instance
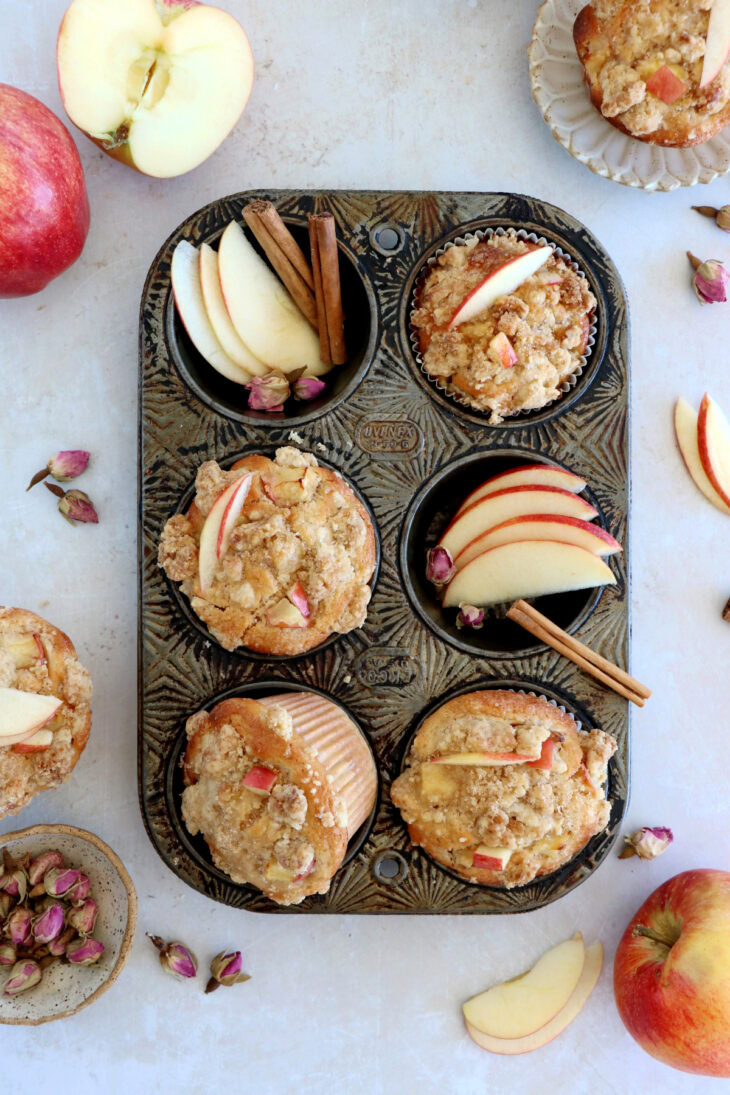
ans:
(45, 712)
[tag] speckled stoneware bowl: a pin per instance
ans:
(66, 989)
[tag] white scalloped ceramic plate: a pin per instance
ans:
(558, 90)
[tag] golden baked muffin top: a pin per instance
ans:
(36, 657)
(643, 64)
(514, 356)
(530, 819)
(298, 561)
(262, 800)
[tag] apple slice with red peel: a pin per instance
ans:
(541, 526)
(260, 779)
(545, 760)
(185, 280)
(519, 501)
(499, 282)
(218, 526)
(38, 743)
(717, 43)
(491, 859)
(286, 614)
(22, 713)
(527, 568)
(666, 85)
(220, 321)
(26, 651)
(156, 86)
(713, 442)
(590, 783)
(298, 598)
(483, 760)
(529, 475)
(517, 1008)
(261, 310)
(685, 428)
(501, 349)
(587, 981)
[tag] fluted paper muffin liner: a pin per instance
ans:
(444, 385)
(340, 746)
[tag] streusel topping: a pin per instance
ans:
(543, 325)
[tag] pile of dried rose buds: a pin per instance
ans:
(47, 915)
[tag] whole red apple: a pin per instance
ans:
(671, 974)
(44, 210)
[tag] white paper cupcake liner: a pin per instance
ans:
(443, 385)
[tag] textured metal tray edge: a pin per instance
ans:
(543, 668)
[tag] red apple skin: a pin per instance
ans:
(44, 208)
(676, 1004)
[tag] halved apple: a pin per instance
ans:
(157, 86)
(286, 614)
(520, 501)
(528, 568)
(38, 743)
(499, 282)
(185, 279)
(713, 442)
(685, 428)
(22, 713)
(218, 526)
(261, 310)
(491, 859)
(666, 85)
(220, 321)
(517, 1008)
(483, 760)
(541, 526)
(717, 43)
(587, 981)
(530, 475)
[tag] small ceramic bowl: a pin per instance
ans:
(65, 989)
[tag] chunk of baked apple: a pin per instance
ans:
(491, 859)
(260, 779)
(38, 743)
(483, 760)
(286, 614)
(22, 713)
(27, 650)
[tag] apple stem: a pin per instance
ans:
(657, 937)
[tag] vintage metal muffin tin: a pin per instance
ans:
(413, 454)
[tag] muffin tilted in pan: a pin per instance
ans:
(45, 712)
(644, 67)
(502, 787)
(275, 812)
(274, 555)
(502, 323)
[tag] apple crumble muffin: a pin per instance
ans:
(642, 64)
(515, 355)
(291, 568)
(502, 787)
(37, 658)
(263, 800)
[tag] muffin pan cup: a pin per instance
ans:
(392, 434)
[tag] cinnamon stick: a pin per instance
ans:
(328, 291)
(272, 244)
(268, 214)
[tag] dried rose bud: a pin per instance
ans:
(8, 954)
(17, 926)
(59, 880)
(84, 952)
(14, 883)
(6, 904)
(79, 891)
(469, 616)
(175, 958)
(43, 863)
(226, 969)
(49, 925)
(57, 947)
(83, 917)
(720, 216)
(647, 843)
(77, 506)
(63, 466)
(709, 281)
(268, 393)
(439, 566)
(24, 975)
(308, 387)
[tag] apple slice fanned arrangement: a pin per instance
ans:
(529, 1011)
(525, 533)
(704, 442)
